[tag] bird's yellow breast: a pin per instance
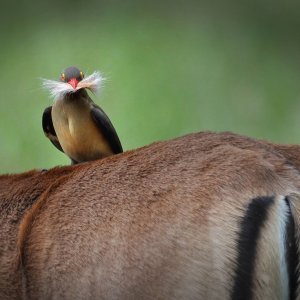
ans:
(77, 132)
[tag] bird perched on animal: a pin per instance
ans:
(75, 124)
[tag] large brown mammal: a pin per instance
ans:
(205, 216)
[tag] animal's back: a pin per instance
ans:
(163, 222)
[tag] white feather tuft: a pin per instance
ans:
(92, 82)
(57, 89)
(60, 89)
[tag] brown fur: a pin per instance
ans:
(159, 222)
(17, 194)
(30, 215)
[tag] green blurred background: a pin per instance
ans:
(172, 67)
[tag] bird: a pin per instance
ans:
(74, 124)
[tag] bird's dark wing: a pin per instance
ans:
(49, 129)
(103, 123)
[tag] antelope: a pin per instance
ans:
(204, 216)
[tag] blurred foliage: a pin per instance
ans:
(172, 67)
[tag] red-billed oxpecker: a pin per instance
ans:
(75, 124)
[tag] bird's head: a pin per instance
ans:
(72, 80)
(72, 76)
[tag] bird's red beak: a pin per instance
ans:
(73, 82)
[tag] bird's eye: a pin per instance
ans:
(81, 74)
(63, 77)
